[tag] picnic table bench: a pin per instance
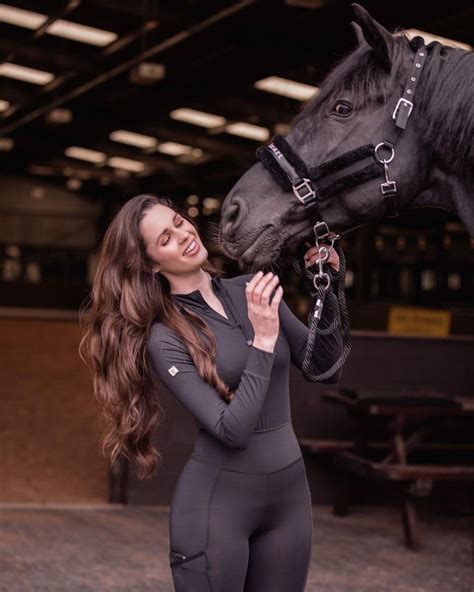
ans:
(410, 418)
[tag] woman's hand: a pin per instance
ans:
(264, 316)
(312, 256)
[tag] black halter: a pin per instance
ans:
(291, 173)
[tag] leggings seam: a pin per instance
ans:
(208, 521)
(308, 560)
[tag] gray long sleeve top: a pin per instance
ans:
(260, 378)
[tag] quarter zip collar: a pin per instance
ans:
(196, 295)
(196, 299)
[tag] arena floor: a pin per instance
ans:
(124, 549)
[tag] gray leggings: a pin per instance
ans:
(234, 531)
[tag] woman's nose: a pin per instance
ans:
(185, 234)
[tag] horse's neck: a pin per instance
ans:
(448, 192)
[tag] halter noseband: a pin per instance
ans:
(291, 173)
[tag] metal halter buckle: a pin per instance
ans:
(321, 231)
(310, 192)
(406, 102)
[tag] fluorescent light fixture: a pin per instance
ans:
(287, 88)
(4, 105)
(73, 183)
(133, 139)
(85, 154)
(6, 144)
(21, 18)
(281, 128)
(428, 37)
(59, 115)
(198, 117)
(147, 73)
(126, 164)
(174, 149)
(38, 169)
(26, 74)
(248, 130)
(81, 33)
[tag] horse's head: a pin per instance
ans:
(353, 108)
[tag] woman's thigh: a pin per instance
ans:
(212, 514)
(280, 552)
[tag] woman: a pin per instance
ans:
(240, 515)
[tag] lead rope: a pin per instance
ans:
(336, 304)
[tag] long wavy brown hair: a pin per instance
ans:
(126, 298)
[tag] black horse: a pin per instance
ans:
(432, 163)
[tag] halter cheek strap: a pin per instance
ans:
(292, 173)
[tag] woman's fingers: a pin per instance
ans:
(268, 289)
(277, 297)
(260, 291)
(260, 287)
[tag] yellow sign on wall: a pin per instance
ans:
(405, 320)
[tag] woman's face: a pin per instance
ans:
(167, 235)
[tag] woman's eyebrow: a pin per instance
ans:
(174, 217)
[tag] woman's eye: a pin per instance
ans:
(342, 109)
(167, 239)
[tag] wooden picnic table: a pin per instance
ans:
(411, 418)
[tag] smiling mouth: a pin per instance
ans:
(187, 250)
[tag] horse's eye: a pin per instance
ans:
(342, 108)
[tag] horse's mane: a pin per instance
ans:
(444, 100)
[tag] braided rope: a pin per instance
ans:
(338, 308)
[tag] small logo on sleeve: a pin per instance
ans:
(173, 370)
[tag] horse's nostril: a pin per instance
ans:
(235, 214)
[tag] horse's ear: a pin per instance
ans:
(358, 32)
(375, 34)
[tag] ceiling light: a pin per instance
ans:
(59, 115)
(133, 139)
(198, 117)
(85, 154)
(212, 203)
(281, 128)
(192, 199)
(37, 192)
(73, 184)
(4, 105)
(248, 130)
(126, 164)
(26, 74)
(6, 144)
(147, 73)
(20, 17)
(81, 33)
(428, 37)
(287, 88)
(174, 149)
(38, 169)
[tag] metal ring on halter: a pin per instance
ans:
(319, 276)
(384, 160)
